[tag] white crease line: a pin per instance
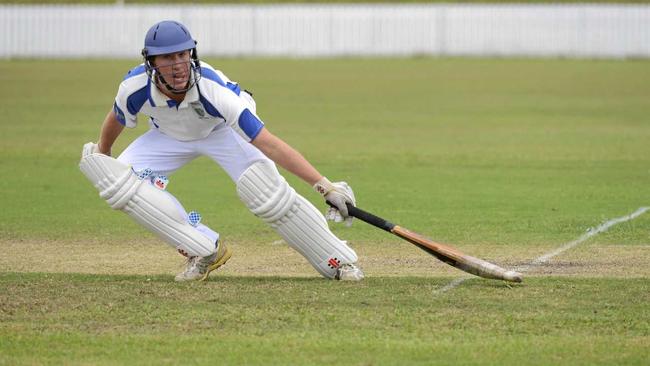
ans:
(544, 258)
(451, 285)
(592, 232)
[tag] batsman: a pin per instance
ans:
(195, 110)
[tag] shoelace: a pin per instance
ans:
(192, 263)
(201, 264)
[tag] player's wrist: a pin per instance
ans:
(106, 150)
(324, 186)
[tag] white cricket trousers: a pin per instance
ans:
(164, 155)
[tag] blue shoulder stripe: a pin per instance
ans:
(211, 75)
(134, 72)
(135, 101)
(234, 87)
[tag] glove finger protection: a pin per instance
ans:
(348, 221)
(89, 148)
(338, 193)
(333, 215)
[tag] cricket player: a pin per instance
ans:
(195, 110)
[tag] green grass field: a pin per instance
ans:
(506, 159)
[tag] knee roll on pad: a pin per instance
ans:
(149, 206)
(268, 195)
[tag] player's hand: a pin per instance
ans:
(338, 193)
(89, 148)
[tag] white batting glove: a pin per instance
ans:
(89, 148)
(337, 193)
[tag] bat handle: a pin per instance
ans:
(367, 217)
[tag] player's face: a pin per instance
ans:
(174, 68)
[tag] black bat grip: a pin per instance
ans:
(367, 217)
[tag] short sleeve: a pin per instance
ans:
(132, 94)
(238, 115)
(223, 101)
(249, 124)
(125, 116)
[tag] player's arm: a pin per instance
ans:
(251, 128)
(111, 129)
(286, 156)
(290, 159)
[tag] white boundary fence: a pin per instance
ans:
(581, 30)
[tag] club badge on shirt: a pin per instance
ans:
(198, 108)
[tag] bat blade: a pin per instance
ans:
(455, 258)
(445, 253)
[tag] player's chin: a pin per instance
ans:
(180, 83)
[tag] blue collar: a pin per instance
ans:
(172, 103)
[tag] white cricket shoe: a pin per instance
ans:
(198, 268)
(349, 272)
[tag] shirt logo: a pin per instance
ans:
(198, 108)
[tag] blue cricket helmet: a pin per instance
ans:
(167, 36)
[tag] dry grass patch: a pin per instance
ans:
(151, 257)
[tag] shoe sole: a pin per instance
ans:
(224, 258)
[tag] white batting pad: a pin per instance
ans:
(154, 209)
(268, 195)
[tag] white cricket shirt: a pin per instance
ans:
(213, 100)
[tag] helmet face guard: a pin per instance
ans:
(156, 76)
(170, 37)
